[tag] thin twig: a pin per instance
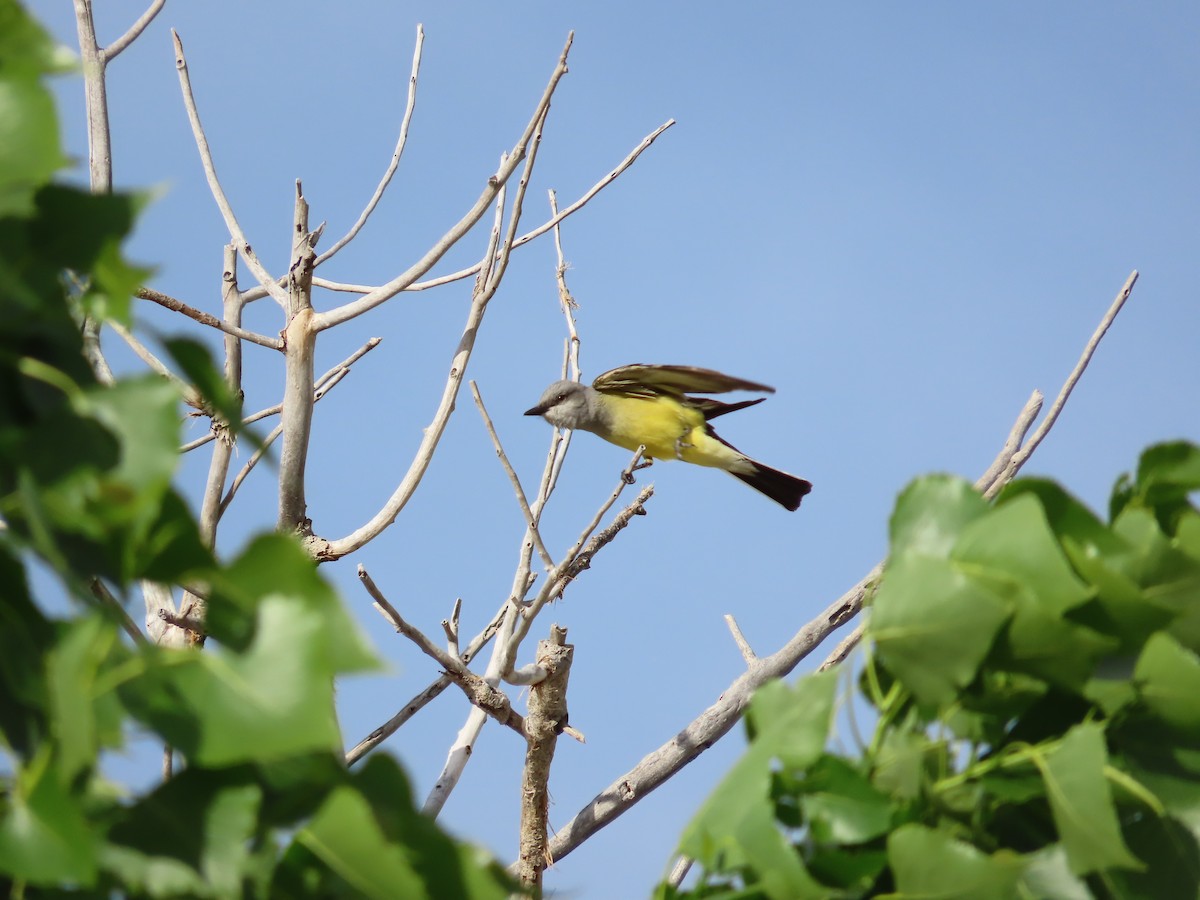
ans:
(321, 387)
(472, 271)
(450, 627)
(512, 477)
(482, 695)
(485, 288)
(113, 50)
(214, 185)
(405, 121)
(1026, 451)
(550, 223)
(743, 645)
(190, 396)
(102, 593)
(525, 144)
(679, 871)
(204, 318)
(1012, 443)
(576, 562)
(424, 697)
(565, 300)
(844, 647)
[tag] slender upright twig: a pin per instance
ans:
(214, 184)
(396, 154)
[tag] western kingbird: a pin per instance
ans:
(650, 406)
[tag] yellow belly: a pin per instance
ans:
(668, 430)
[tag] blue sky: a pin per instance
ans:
(905, 217)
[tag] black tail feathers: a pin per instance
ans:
(786, 490)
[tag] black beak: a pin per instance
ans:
(536, 411)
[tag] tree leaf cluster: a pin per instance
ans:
(1033, 677)
(264, 806)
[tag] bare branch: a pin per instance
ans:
(450, 626)
(546, 719)
(512, 477)
(101, 593)
(576, 561)
(214, 185)
(465, 224)
(417, 703)
(323, 385)
(211, 321)
(232, 305)
(113, 50)
(707, 728)
(95, 99)
(565, 300)
(743, 645)
(482, 695)
(1026, 451)
(300, 347)
(1012, 444)
(433, 433)
(472, 271)
(547, 225)
(190, 396)
(396, 154)
(844, 647)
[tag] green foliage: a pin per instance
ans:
(1034, 678)
(264, 806)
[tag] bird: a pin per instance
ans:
(652, 406)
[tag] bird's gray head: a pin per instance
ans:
(569, 404)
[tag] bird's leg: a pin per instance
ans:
(681, 444)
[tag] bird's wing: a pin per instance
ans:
(711, 408)
(646, 381)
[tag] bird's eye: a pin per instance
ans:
(561, 397)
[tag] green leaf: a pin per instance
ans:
(345, 836)
(44, 837)
(931, 512)
(198, 368)
(83, 232)
(735, 827)
(275, 564)
(1172, 857)
(30, 152)
(1081, 802)
(1166, 474)
(933, 625)
(448, 869)
(1069, 519)
(900, 764)
(792, 723)
(840, 804)
(192, 835)
(267, 694)
(25, 635)
(1187, 533)
(1042, 643)
(142, 413)
(1047, 874)
(928, 863)
(1168, 679)
(1014, 541)
(72, 669)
